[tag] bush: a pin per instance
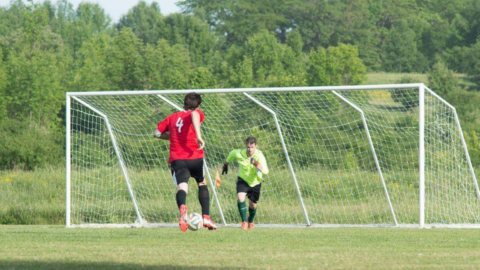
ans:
(26, 145)
(408, 97)
(442, 80)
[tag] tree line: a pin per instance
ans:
(50, 48)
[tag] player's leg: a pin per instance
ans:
(253, 196)
(242, 189)
(181, 174)
(196, 170)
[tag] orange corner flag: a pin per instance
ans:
(218, 182)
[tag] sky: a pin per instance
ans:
(117, 8)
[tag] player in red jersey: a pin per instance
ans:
(186, 155)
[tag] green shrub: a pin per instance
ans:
(408, 97)
(26, 145)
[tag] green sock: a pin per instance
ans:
(252, 213)
(242, 208)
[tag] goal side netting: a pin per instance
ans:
(385, 155)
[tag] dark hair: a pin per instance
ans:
(251, 140)
(192, 101)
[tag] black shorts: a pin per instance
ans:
(253, 193)
(183, 169)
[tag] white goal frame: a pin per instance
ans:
(163, 94)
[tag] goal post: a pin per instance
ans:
(368, 155)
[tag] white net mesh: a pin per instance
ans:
(330, 153)
(331, 149)
(451, 190)
(392, 118)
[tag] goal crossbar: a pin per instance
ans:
(248, 90)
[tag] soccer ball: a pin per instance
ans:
(195, 221)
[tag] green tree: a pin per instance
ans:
(267, 56)
(151, 65)
(12, 19)
(90, 19)
(336, 66)
(457, 58)
(175, 67)
(170, 67)
(63, 24)
(470, 13)
(263, 61)
(400, 49)
(192, 33)
(346, 66)
(146, 22)
(387, 13)
(294, 59)
(37, 67)
(91, 65)
(241, 74)
(442, 80)
(123, 61)
(432, 33)
(4, 99)
(202, 78)
(150, 25)
(318, 70)
(472, 62)
(236, 21)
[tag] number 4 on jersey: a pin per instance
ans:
(179, 125)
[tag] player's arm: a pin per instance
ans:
(159, 135)
(231, 156)
(165, 136)
(261, 164)
(161, 132)
(196, 126)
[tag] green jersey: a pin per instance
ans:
(248, 171)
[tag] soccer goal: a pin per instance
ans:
(378, 155)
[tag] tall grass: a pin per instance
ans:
(390, 78)
(32, 197)
(38, 197)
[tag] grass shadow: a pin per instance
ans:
(32, 264)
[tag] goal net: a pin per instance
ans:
(384, 155)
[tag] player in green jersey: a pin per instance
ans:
(253, 166)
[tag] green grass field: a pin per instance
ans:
(55, 247)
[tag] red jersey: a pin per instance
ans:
(183, 139)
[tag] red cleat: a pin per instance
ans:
(208, 223)
(250, 225)
(244, 226)
(183, 218)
